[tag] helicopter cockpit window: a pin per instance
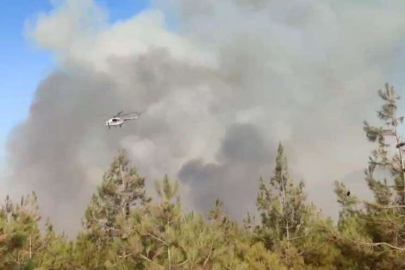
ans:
(115, 120)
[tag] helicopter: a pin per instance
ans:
(118, 120)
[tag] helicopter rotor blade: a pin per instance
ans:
(118, 114)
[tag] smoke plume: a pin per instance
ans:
(219, 93)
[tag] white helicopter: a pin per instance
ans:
(118, 119)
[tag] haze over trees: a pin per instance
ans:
(124, 228)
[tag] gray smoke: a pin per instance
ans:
(56, 150)
(219, 93)
(243, 155)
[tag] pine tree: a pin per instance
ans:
(236, 247)
(121, 192)
(122, 189)
(20, 238)
(282, 205)
(371, 234)
(56, 252)
(388, 156)
(160, 236)
(290, 225)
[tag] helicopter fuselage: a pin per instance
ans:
(114, 122)
(118, 121)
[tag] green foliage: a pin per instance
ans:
(19, 234)
(290, 224)
(282, 205)
(121, 191)
(371, 233)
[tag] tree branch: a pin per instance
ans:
(380, 244)
(156, 238)
(399, 249)
(127, 255)
(209, 255)
(152, 262)
(385, 207)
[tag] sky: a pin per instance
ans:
(23, 65)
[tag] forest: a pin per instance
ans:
(125, 228)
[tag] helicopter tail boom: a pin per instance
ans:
(130, 118)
